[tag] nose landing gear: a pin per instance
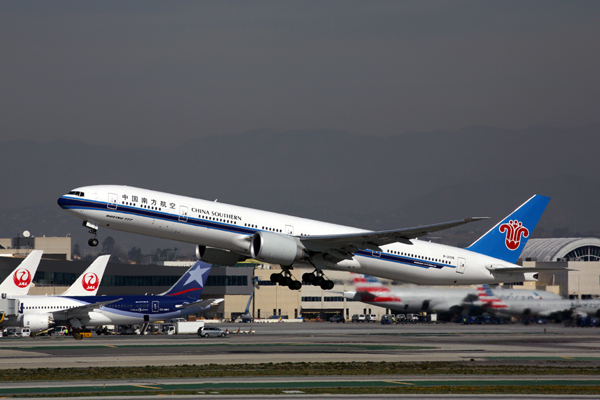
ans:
(93, 242)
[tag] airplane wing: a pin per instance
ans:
(81, 311)
(371, 240)
(201, 303)
(547, 313)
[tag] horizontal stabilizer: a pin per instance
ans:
(510, 270)
(201, 304)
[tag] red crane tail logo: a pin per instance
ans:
(90, 281)
(22, 277)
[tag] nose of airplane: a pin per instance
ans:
(62, 202)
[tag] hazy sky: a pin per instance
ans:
(160, 73)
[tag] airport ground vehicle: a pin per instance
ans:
(358, 318)
(370, 317)
(338, 318)
(61, 330)
(388, 319)
(211, 331)
(168, 329)
(182, 327)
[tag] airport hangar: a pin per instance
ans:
(56, 272)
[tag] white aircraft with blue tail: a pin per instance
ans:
(226, 234)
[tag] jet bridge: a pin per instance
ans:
(8, 307)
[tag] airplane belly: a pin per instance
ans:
(96, 318)
(423, 274)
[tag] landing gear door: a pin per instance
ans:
(112, 201)
(460, 265)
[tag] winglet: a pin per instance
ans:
(507, 239)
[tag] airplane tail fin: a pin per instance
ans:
(88, 283)
(192, 283)
(488, 299)
(371, 289)
(507, 239)
(19, 282)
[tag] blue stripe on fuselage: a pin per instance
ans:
(413, 262)
(76, 203)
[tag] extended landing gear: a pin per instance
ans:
(285, 279)
(318, 279)
(93, 242)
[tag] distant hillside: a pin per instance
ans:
(371, 182)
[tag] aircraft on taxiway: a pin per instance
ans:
(226, 234)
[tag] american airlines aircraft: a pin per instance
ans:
(559, 308)
(225, 234)
(41, 312)
(433, 299)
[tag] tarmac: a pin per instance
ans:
(311, 342)
(315, 342)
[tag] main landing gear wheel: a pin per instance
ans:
(93, 242)
(318, 279)
(285, 279)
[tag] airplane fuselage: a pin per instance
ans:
(223, 226)
(413, 300)
(38, 311)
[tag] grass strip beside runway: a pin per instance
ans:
(563, 367)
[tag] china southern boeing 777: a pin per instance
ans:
(226, 234)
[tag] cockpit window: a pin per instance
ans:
(74, 193)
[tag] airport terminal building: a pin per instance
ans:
(235, 284)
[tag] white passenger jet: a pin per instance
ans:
(558, 309)
(434, 299)
(225, 234)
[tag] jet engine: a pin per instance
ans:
(37, 322)
(218, 256)
(274, 248)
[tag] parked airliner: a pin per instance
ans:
(433, 299)
(560, 309)
(225, 234)
(41, 312)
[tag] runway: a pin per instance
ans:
(315, 342)
(498, 345)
